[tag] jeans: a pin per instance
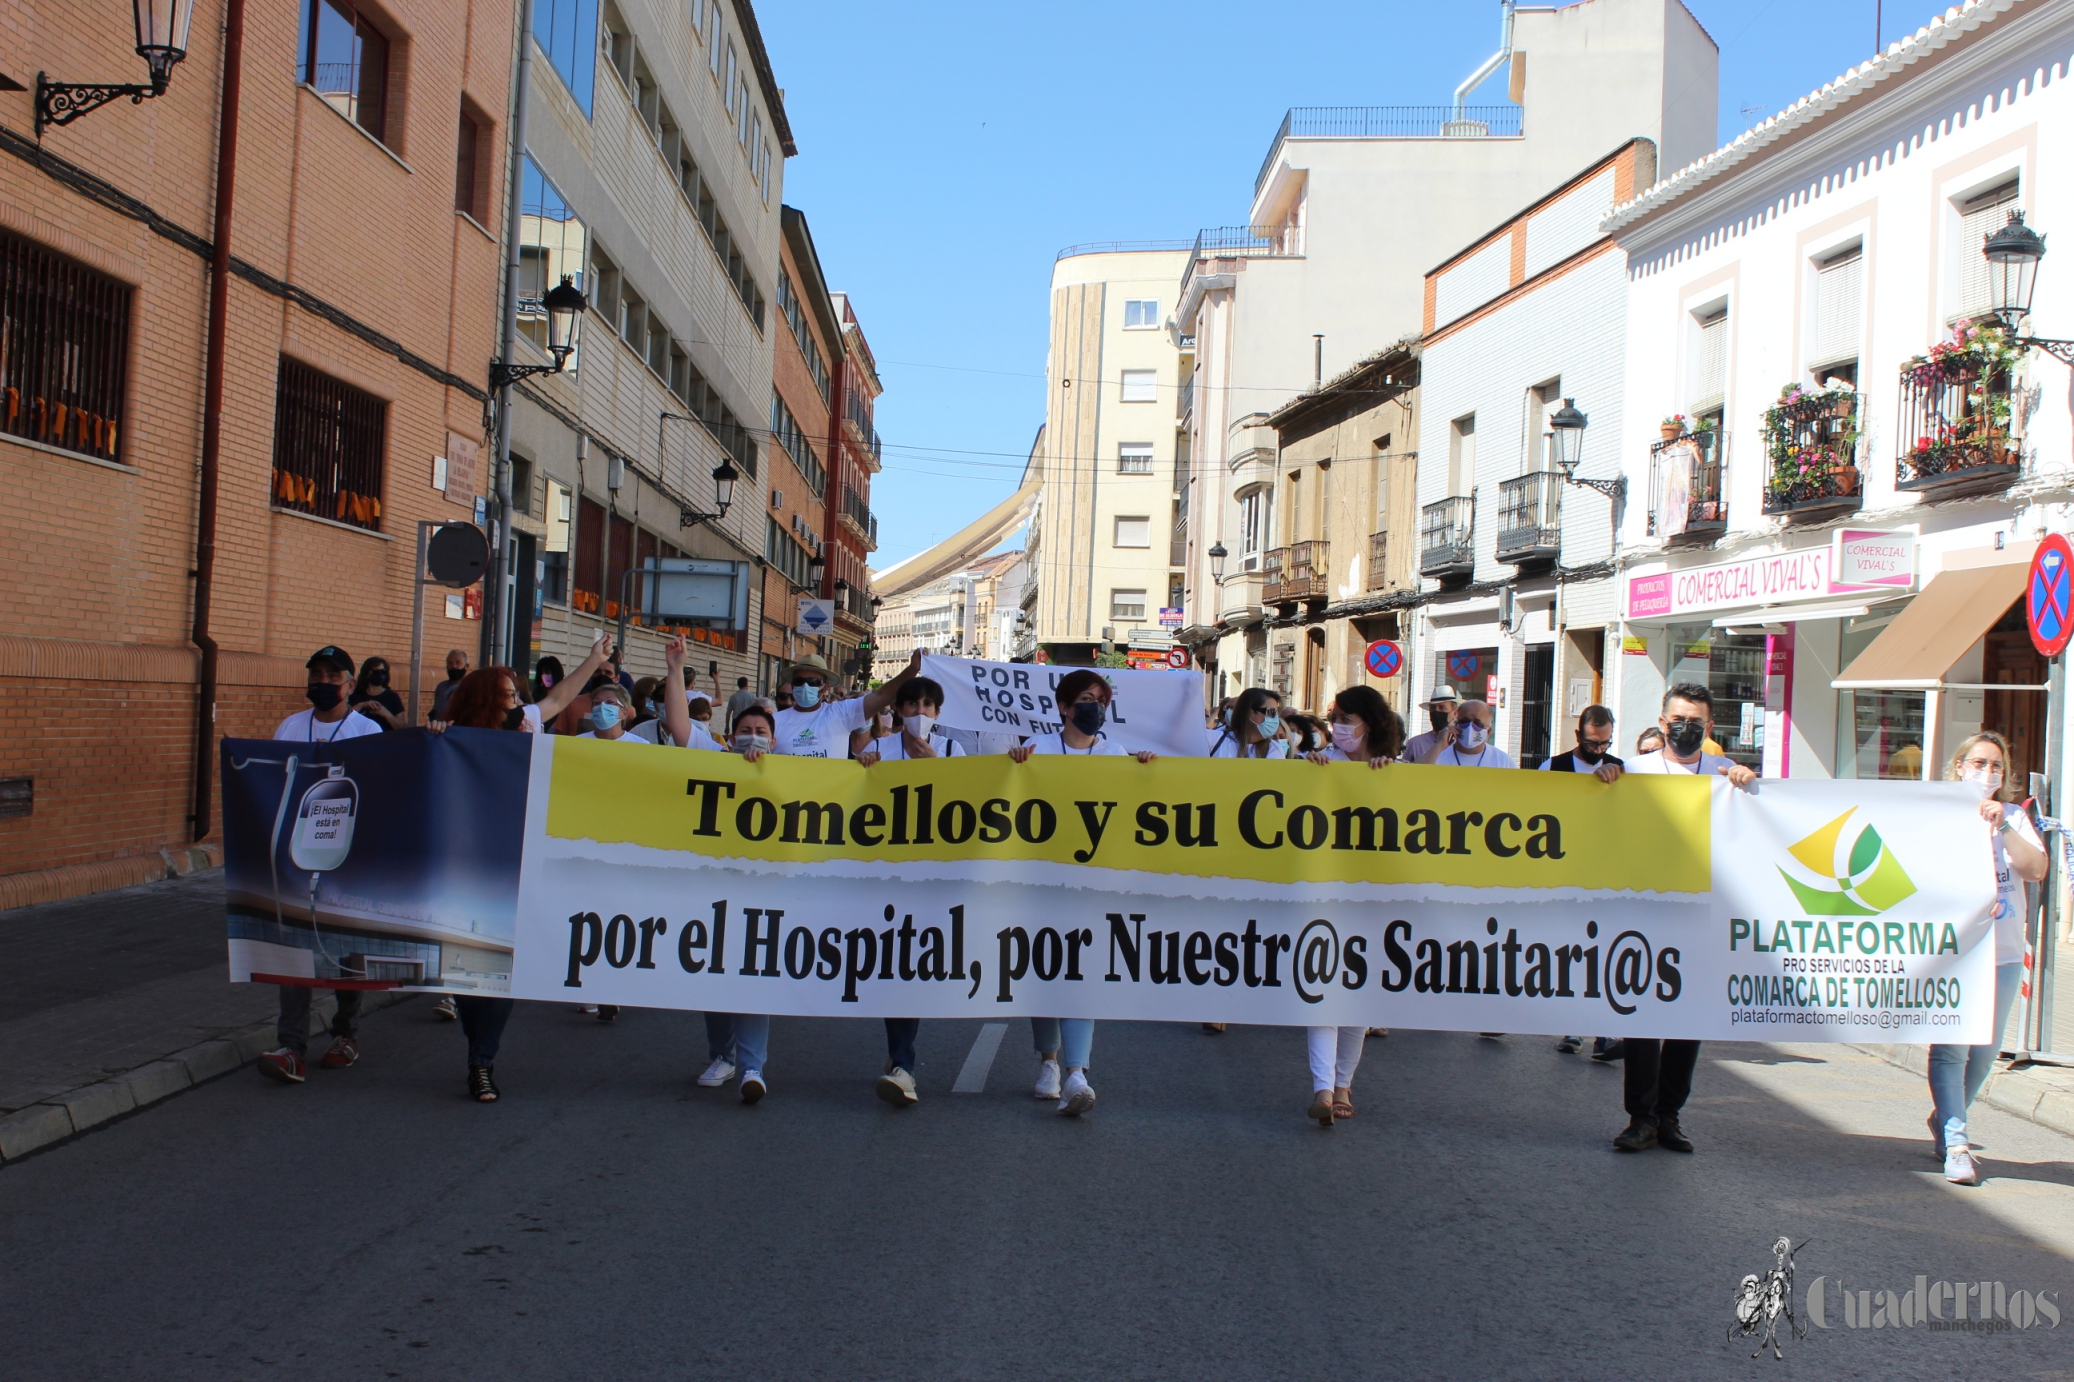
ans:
(1958, 1072)
(1335, 1054)
(292, 1029)
(743, 1040)
(1658, 1077)
(482, 1020)
(1072, 1037)
(900, 1042)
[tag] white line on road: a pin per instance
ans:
(973, 1078)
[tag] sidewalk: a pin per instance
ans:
(116, 1000)
(2043, 1094)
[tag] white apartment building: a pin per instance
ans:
(1516, 559)
(1351, 207)
(652, 176)
(971, 612)
(1848, 578)
(1103, 553)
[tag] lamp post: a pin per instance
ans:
(1217, 555)
(724, 477)
(564, 303)
(1566, 431)
(162, 27)
(2013, 253)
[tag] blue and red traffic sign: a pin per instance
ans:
(1384, 658)
(1462, 666)
(2049, 596)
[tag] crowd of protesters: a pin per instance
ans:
(810, 716)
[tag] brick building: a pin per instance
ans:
(850, 529)
(362, 307)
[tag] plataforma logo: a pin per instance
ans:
(1868, 878)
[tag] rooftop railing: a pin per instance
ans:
(1390, 122)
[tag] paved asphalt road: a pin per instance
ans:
(608, 1219)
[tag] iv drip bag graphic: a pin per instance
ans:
(324, 824)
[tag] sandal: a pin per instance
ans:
(1321, 1108)
(1342, 1108)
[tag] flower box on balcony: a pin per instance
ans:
(1956, 416)
(1811, 441)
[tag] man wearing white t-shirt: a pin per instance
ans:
(1466, 742)
(1657, 1077)
(820, 728)
(327, 721)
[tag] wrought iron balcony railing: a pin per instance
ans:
(1530, 518)
(1447, 537)
(1687, 498)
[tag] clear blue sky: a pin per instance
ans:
(948, 151)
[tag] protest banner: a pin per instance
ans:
(1156, 711)
(1182, 890)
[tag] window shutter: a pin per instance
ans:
(1978, 219)
(1839, 308)
(1710, 376)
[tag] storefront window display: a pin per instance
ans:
(1879, 733)
(1732, 667)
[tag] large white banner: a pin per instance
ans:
(1260, 892)
(1159, 711)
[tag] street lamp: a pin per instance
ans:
(1566, 440)
(564, 303)
(162, 27)
(1217, 556)
(724, 477)
(2013, 253)
(817, 567)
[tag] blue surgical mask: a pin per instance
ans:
(605, 714)
(806, 695)
(1087, 716)
(1270, 726)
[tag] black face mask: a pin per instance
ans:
(378, 679)
(515, 718)
(1586, 755)
(1087, 716)
(1686, 736)
(1440, 719)
(452, 675)
(324, 695)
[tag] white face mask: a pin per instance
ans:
(746, 742)
(1348, 738)
(919, 725)
(1469, 736)
(1989, 780)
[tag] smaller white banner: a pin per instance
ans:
(1160, 711)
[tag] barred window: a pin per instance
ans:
(64, 348)
(329, 438)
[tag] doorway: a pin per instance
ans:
(1537, 696)
(2007, 657)
(1314, 670)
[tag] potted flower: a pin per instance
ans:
(1672, 427)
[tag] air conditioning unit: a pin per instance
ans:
(777, 499)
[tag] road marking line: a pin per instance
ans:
(973, 1078)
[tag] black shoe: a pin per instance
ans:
(1613, 1050)
(1569, 1045)
(1639, 1137)
(1669, 1135)
(608, 1012)
(481, 1087)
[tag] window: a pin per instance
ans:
(552, 242)
(728, 83)
(1256, 522)
(1133, 532)
(794, 312)
(1134, 458)
(1127, 604)
(64, 350)
(616, 42)
(1839, 312)
(1710, 361)
(567, 32)
(713, 36)
(765, 181)
(1140, 386)
(785, 430)
(346, 60)
(1979, 217)
(1461, 456)
(472, 159)
(754, 144)
(1382, 482)
(1543, 401)
(1140, 314)
(699, 193)
(522, 485)
(329, 439)
(782, 551)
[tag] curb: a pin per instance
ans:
(2046, 1103)
(68, 881)
(64, 1116)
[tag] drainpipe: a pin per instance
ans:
(1491, 64)
(212, 414)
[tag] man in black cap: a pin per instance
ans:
(327, 720)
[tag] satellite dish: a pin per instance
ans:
(457, 555)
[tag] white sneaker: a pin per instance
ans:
(1079, 1097)
(445, 1011)
(717, 1074)
(1959, 1166)
(752, 1086)
(897, 1087)
(1047, 1079)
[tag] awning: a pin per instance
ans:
(961, 548)
(1789, 614)
(1939, 625)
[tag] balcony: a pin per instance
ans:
(1296, 574)
(1447, 538)
(1239, 242)
(1530, 519)
(1687, 505)
(1239, 598)
(1811, 440)
(856, 515)
(1390, 122)
(1186, 407)
(1378, 561)
(1954, 421)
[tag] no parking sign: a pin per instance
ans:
(1384, 658)
(2047, 603)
